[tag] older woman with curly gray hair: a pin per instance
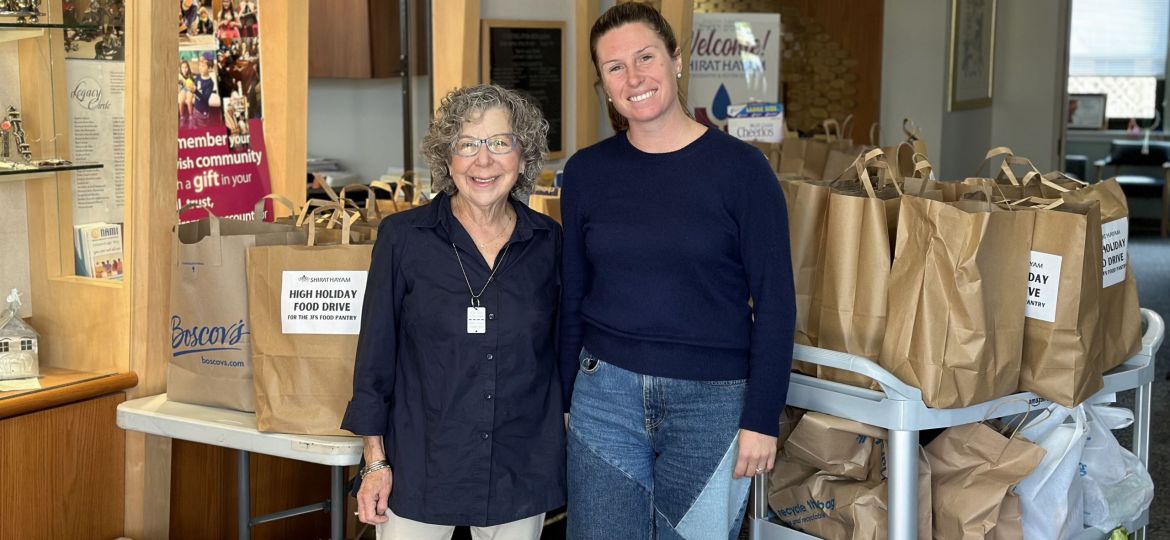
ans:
(456, 392)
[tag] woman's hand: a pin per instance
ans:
(372, 497)
(757, 454)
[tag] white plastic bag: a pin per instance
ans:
(1117, 487)
(1050, 497)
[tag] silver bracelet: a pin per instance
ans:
(375, 466)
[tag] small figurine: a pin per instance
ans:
(12, 131)
(18, 343)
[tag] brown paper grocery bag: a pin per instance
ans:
(973, 469)
(808, 207)
(1008, 526)
(211, 341)
(771, 152)
(827, 506)
(1120, 311)
(955, 300)
(856, 271)
(304, 305)
(792, 151)
(400, 196)
(1062, 330)
(808, 204)
(834, 445)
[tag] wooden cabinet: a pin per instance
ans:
(360, 39)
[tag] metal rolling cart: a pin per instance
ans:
(898, 408)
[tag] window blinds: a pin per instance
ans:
(1111, 38)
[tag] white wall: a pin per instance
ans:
(1031, 38)
(1031, 76)
(360, 121)
(914, 44)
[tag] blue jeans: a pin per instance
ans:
(652, 457)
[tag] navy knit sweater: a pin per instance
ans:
(662, 253)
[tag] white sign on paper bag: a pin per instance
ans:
(321, 301)
(1114, 251)
(1043, 286)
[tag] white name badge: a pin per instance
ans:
(476, 320)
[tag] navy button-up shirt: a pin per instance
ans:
(471, 423)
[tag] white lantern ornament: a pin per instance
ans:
(18, 343)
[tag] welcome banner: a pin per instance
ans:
(735, 59)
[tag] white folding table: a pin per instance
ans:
(237, 430)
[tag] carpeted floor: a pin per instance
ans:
(1150, 256)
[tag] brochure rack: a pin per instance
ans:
(899, 408)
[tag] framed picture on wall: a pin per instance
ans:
(972, 60)
(529, 56)
(1086, 111)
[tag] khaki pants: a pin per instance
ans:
(400, 528)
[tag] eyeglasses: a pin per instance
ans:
(499, 145)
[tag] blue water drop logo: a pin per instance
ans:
(720, 102)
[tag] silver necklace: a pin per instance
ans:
(476, 313)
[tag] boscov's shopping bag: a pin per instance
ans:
(305, 307)
(211, 340)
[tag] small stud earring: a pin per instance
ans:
(678, 75)
(609, 99)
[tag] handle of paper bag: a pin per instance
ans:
(910, 129)
(846, 131)
(922, 167)
(832, 129)
(1050, 178)
(1023, 417)
(1006, 169)
(347, 219)
(997, 151)
(213, 234)
(986, 194)
(210, 216)
(318, 203)
(328, 189)
(860, 169)
(371, 199)
(258, 210)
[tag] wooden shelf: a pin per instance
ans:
(62, 386)
(10, 34)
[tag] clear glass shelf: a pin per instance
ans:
(21, 26)
(5, 171)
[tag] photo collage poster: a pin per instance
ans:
(222, 159)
